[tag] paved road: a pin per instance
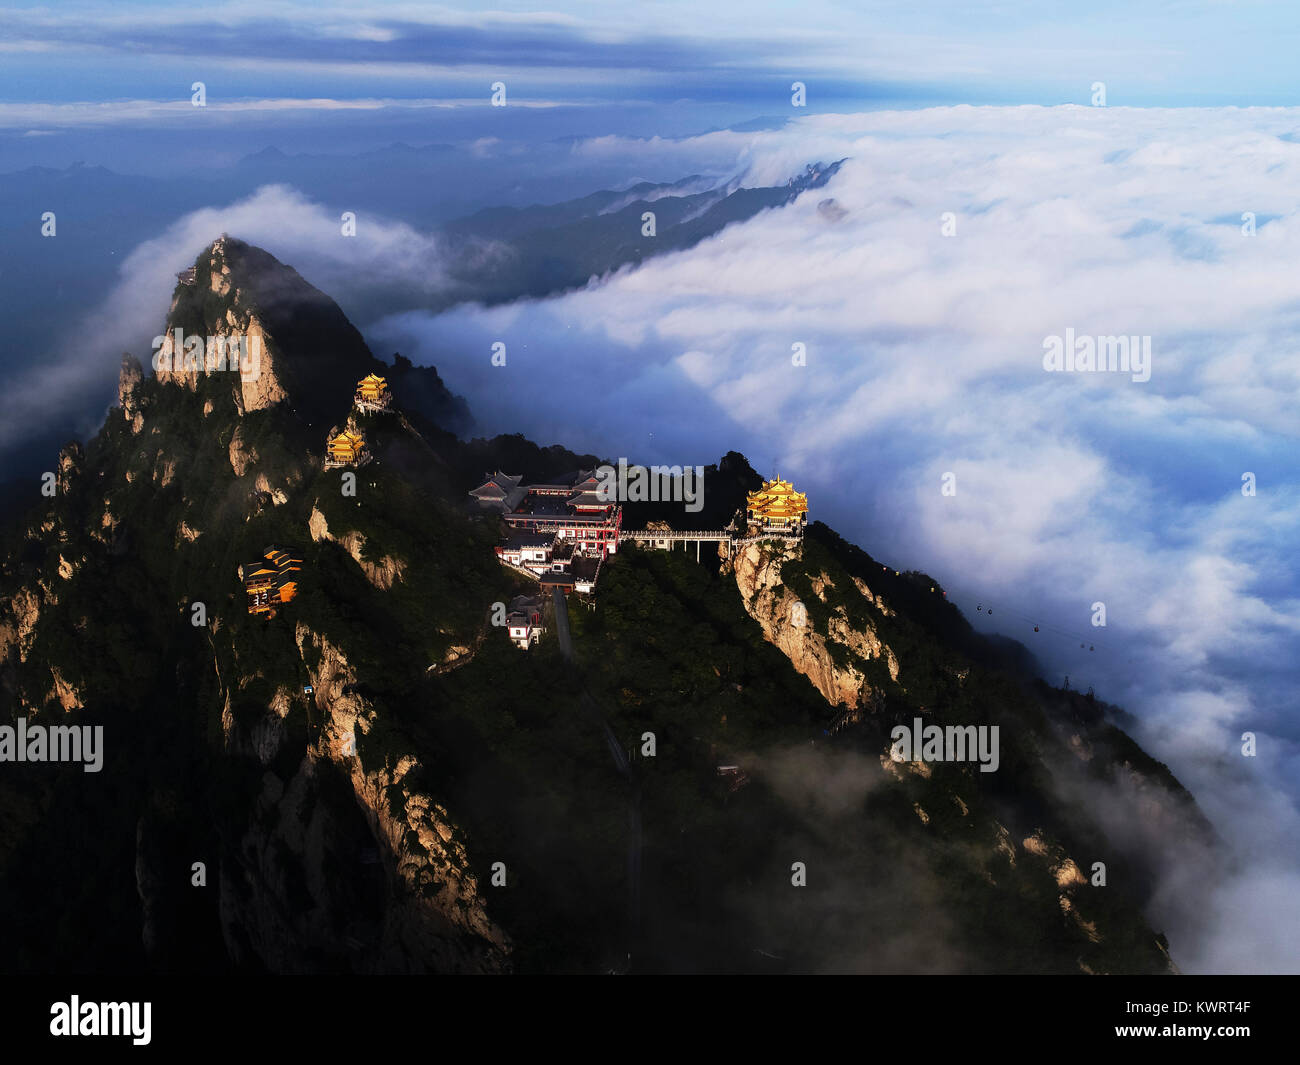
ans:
(562, 623)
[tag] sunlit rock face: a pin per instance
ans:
(783, 618)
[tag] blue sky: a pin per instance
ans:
(1169, 52)
(101, 82)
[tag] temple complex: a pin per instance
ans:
(272, 580)
(569, 508)
(540, 519)
(561, 531)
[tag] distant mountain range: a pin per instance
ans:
(504, 253)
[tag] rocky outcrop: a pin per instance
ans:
(409, 902)
(71, 461)
(107, 528)
(900, 769)
(1088, 928)
(261, 388)
(458, 654)
(382, 574)
(874, 600)
(236, 345)
(785, 623)
(255, 330)
(64, 693)
(277, 495)
(441, 908)
(267, 733)
(128, 381)
(241, 455)
(20, 616)
(862, 642)
(1061, 868)
(164, 471)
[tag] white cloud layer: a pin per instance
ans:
(382, 254)
(924, 356)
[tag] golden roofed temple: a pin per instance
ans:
(346, 449)
(777, 507)
(372, 393)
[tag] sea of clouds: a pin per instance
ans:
(924, 356)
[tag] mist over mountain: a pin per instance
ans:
(430, 261)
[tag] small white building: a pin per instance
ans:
(524, 621)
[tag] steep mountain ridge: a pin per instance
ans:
(505, 253)
(195, 473)
(842, 635)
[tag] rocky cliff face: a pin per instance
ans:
(119, 596)
(21, 614)
(234, 343)
(128, 381)
(787, 624)
(381, 574)
(434, 918)
(426, 846)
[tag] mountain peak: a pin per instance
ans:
(246, 326)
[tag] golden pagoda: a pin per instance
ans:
(777, 507)
(372, 393)
(346, 449)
